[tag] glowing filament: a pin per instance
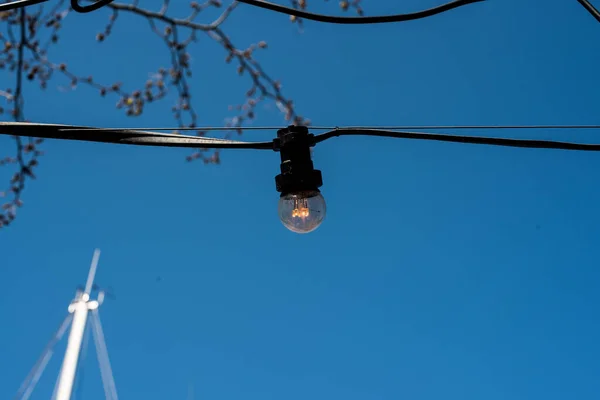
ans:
(300, 208)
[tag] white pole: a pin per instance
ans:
(69, 367)
(79, 308)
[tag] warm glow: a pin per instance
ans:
(301, 212)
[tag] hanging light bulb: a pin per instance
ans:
(302, 212)
(301, 206)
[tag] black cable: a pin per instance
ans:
(92, 7)
(74, 5)
(200, 129)
(523, 143)
(19, 3)
(302, 14)
(469, 127)
(145, 138)
(592, 10)
(133, 137)
(329, 128)
(359, 20)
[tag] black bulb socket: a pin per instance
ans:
(297, 171)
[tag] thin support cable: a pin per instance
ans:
(359, 20)
(191, 391)
(56, 386)
(101, 364)
(36, 372)
(490, 141)
(470, 127)
(37, 376)
(108, 380)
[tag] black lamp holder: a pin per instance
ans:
(297, 170)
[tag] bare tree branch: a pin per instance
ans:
(27, 35)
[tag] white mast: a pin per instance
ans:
(80, 307)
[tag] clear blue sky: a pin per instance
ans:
(442, 271)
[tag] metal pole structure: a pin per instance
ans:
(79, 308)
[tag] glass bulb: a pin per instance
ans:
(302, 212)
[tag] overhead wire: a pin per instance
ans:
(199, 128)
(359, 20)
(126, 136)
(77, 7)
(147, 138)
(92, 7)
(591, 9)
(472, 127)
(327, 128)
(74, 5)
(18, 4)
(522, 143)
(384, 18)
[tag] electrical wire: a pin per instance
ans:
(146, 138)
(200, 128)
(19, 3)
(92, 7)
(591, 9)
(471, 127)
(129, 136)
(74, 5)
(522, 143)
(329, 128)
(299, 13)
(385, 18)
(359, 20)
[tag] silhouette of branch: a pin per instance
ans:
(27, 35)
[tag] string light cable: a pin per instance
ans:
(359, 20)
(301, 207)
(77, 7)
(382, 19)
(149, 138)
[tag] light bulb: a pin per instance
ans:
(302, 212)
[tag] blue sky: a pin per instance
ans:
(441, 270)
